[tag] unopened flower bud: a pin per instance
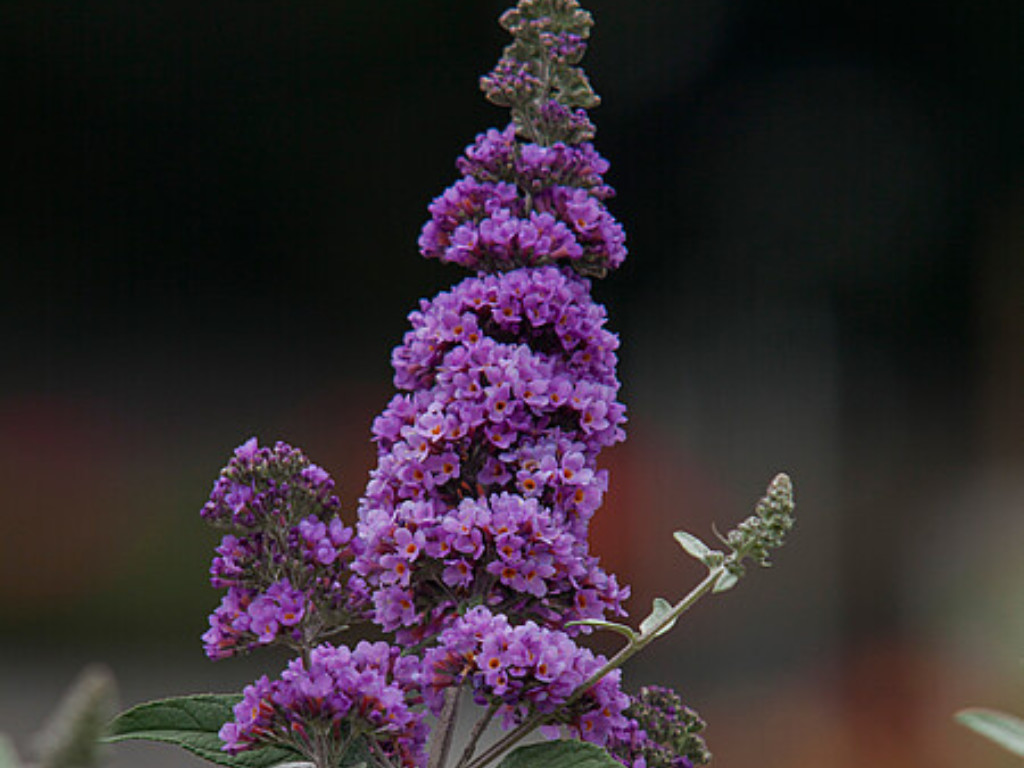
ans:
(766, 529)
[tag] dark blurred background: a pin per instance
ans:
(209, 231)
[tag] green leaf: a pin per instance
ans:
(626, 631)
(725, 582)
(659, 611)
(1005, 730)
(693, 546)
(8, 757)
(559, 754)
(193, 722)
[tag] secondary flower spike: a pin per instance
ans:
(285, 563)
(319, 704)
(666, 733)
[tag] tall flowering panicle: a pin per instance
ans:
(487, 471)
(322, 706)
(487, 474)
(285, 561)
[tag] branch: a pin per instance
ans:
(474, 736)
(441, 738)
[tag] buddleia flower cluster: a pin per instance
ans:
(487, 475)
(285, 562)
(521, 669)
(533, 194)
(470, 546)
(321, 703)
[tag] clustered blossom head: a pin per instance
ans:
(522, 669)
(532, 194)
(525, 204)
(487, 478)
(285, 564)
(317, 708)
(664, 732)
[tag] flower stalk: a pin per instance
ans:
(474, 737)
(441, 738)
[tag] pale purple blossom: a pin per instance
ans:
(488, 460)
(524, 669)
(522, 204)
(340, 691)
(285, 563)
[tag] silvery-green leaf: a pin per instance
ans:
(1005, 730)
(613, 626)
(726, 582)
(559, 754)
(659, 611)
(698, 550)
(693, 546)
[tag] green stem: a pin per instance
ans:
(540, 137)
(379, 753)
(474, 737)
(620, 658)
(645, 639)
(441, 738)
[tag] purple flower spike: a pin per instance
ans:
(285, 564)
(665, 733)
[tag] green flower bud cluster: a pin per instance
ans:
(537, 76)
(765, 530)
(672, 729)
